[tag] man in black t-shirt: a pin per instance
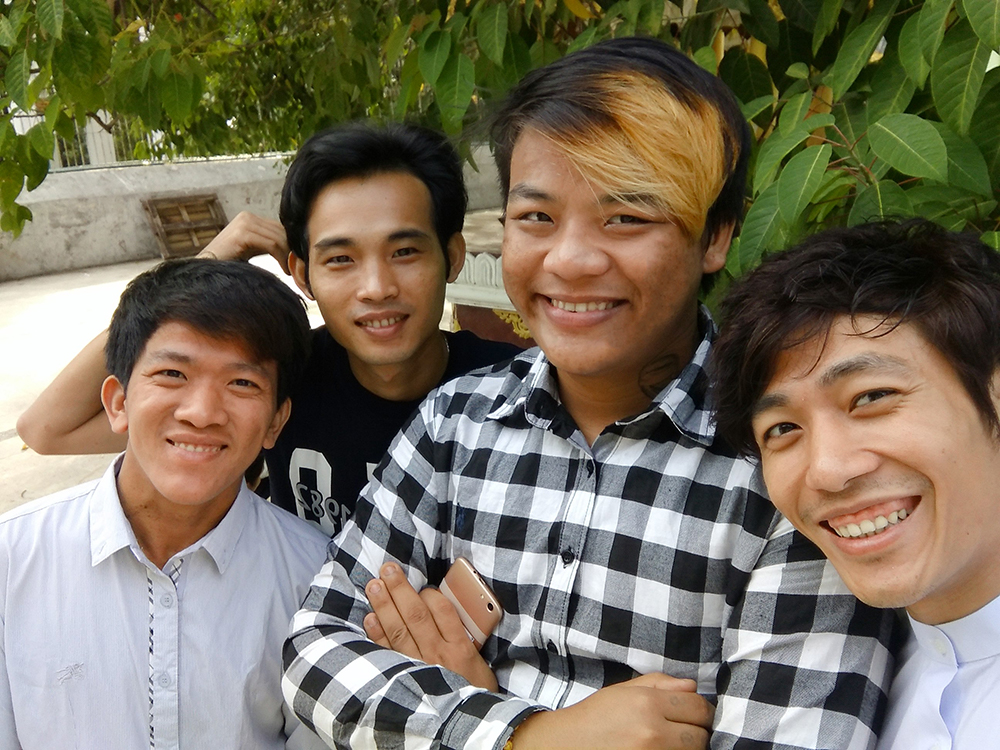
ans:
(372, 222)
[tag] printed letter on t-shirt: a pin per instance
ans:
(311, 478)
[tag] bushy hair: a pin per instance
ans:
(638, 118)
(945, 284)
(227, 300)
(358, 151)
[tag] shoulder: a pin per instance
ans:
(287, 533)
(469, 352)
(73, 499)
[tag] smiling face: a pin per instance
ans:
(377, 270)
(607, 288)
(872, 447)
(197, 411)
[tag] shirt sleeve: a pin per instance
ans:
(805, 664)
(352, 692)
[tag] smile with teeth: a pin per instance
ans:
(578, 307)
(871, 527)
(380, 323)
(196, 448)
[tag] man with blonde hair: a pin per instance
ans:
(652, 595)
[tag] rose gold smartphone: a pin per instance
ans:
(478, 607)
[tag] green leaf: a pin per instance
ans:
(50, 16)
(800, 179)
(175, 93)
(911, 51)
(892, 89)
(957, 75)
(491, 32)
(911, 145)
(778, 146)
(826, 22)
(434, 55)
(933, 21)
(585, 39)
(159, 63)
(409, 86)
(759, 228)
(42, 141)
(455, 89)
(746, 75)
(705, 57)
(992, 239)
(984, 15)
(802, 13)
(883, 200)
(794, 112)
(13, 220)
(984, 130)
(11, 183)
(797, 70)
(951, 207)
(966, 165)
(393, 47)
(761, 23)
(858, 47)
(8, 36)
(16, 79)
(751, 109)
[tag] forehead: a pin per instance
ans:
(372, 206)
(540, 168)
(177, 341)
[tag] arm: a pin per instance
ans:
(805, 664)
(67, 417)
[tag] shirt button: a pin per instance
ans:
(940, 646)
(567, 556)
(551, 647)
(167, 600)
(590, 468)
(163, 680)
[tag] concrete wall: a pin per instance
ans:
(94, 217)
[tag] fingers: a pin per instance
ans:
(395, 633)
(664, 682)
(374, 631)
(445, 616)
(248, 235)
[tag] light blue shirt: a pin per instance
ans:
(946, 695)
(100, 649)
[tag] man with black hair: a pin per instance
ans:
(652, 595)
(148, 608)
(373, 219)
(862, 368)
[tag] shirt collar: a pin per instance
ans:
(684, 401)
(110, 530)
(973, 637)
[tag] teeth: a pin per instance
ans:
(198, 448)
(871, 528)
(381, 323)
(581, 306)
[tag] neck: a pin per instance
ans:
(163, 528)
(409, 380)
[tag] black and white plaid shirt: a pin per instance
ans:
(654, 550)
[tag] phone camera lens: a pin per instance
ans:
(489, 606)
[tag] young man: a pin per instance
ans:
(147, 609)
(585, 483)
(863, 369)
(373, 218)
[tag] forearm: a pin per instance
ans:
(68, 417)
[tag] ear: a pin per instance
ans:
(277, 422)
(715, 254)
(113, 398)
(456, 255)
(299, 269)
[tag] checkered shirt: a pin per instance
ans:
(655, 549)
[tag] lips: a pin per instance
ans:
(872, 520)
(195, 447)
(381, 322)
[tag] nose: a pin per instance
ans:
(575, 253)
(378, 282)
(203, 406)
(836, 458)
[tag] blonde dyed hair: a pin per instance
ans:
(651, 148)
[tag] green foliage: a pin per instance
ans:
(859, 109)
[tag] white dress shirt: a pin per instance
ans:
(947, 692)
(102, 650)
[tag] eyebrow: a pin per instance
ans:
(409, 233)
(528, 192)
(865, 362)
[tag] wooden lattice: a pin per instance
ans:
(185, 224)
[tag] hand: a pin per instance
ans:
(422, 626)
(651, 711)
(246, 236)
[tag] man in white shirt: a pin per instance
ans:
(148, 609)
(863, 369)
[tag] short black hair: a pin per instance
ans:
(946, 284)
(358, 150)
(567, 96)
(227, 300)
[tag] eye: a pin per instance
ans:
(627, 219)
(534, 216)
(245, 383)
(870, 397)
(169, 373)
(337, 260)
(779, 430)
(405, 252)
